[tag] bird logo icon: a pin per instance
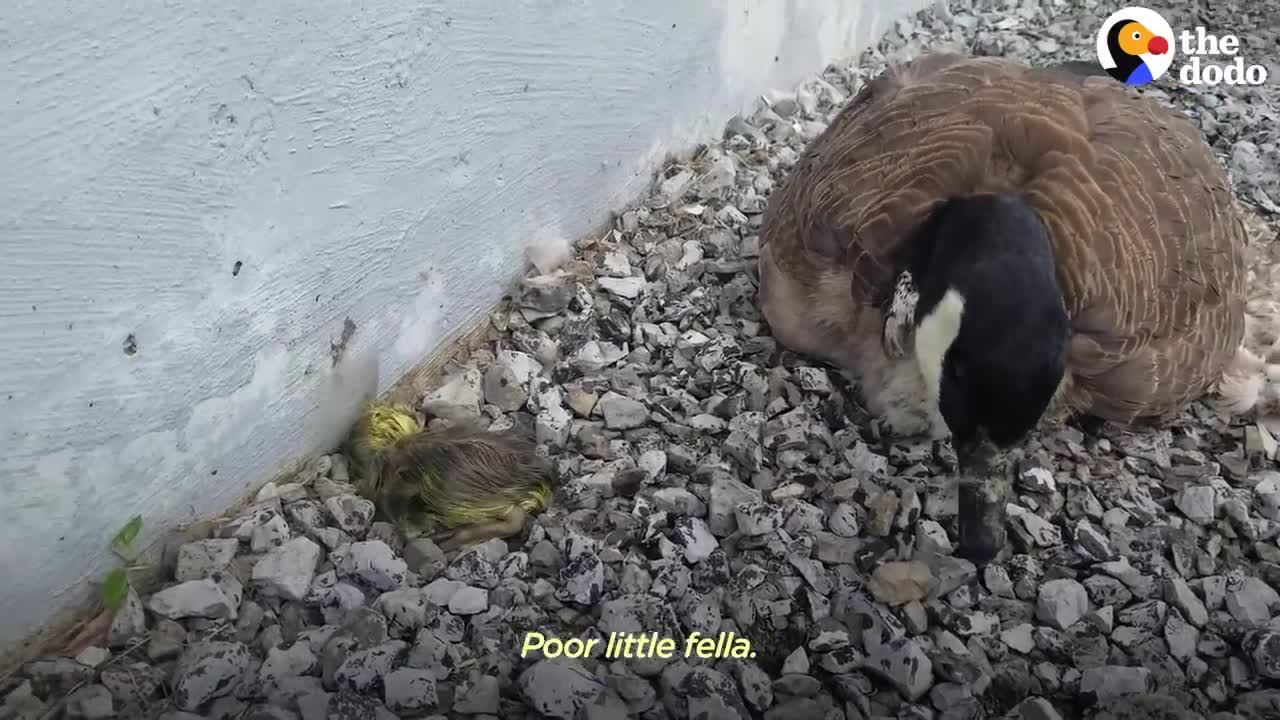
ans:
(1135, 45)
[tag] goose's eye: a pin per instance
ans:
(1137, 36)
(956, 370)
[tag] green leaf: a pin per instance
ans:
(127, 533)
(115, 588)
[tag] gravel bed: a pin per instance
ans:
(712, 483)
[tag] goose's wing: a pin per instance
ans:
(874, 173)
(940, 126)
(1151, 248)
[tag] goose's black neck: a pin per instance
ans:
(986, 270)
(971, 241)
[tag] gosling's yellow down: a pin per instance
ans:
(461, 485)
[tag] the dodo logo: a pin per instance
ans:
(1135, 45)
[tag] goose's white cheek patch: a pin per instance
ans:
(901, 316)
(935, 333)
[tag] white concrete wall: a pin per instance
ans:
(386, 161)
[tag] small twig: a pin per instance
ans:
(54, 709)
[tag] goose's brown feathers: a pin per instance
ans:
(1148, 242)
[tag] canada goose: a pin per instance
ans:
(1050, 244)
(461, 485)
(1128, 41)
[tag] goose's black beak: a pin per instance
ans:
(985, 476)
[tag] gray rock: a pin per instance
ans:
(167, 640)
(57, 676)
(198, 560)
(1019, 638)
(795, 709)
(284, 664)
(710, 707)
(269, 531)
(707, 690)
(1250, 600)
(469, 600)
(349, 705)
(679, 501)
(288, 570)
(428, 653)
(695, 537)
(828, 634)
(458, 400)
(915, 618)
(1092, 542)
(1036, 708)
(209, 670)
(1039, 530)
(440, 591)
(707, 424)
(813, 572)
(91, 702)
(1180, 595)
(905, 664)
(133, 683)
(1110, 682)
(364, 670)
(931, 538)
(558, 688)
(549, 293)
(1061, 603)
(727, 493)
(424, 557)
(755, 685)
(1037, 480)
(997, 580)
(213, 598)
(504, 388)
(628, 288)
(758, 518)
(653, 462)
(1266, 495)
(479, 695)
(814, 380)
(1181, 636)
(268, 712)
(1081, 503)
(1103, 619)
(554, 422)
(373, 563)
(130, 622)
(898, 583)
(951, 573)
(405, 610)
(582, 579)
(843, 521)
(595, 356)
(1148, 615)
(22, 704)
(1264, 652)
(1199, 503)
(797, 663)
(1105, 590)
(621, 412)
(475, 567)
(745, 449)
(352, 513)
